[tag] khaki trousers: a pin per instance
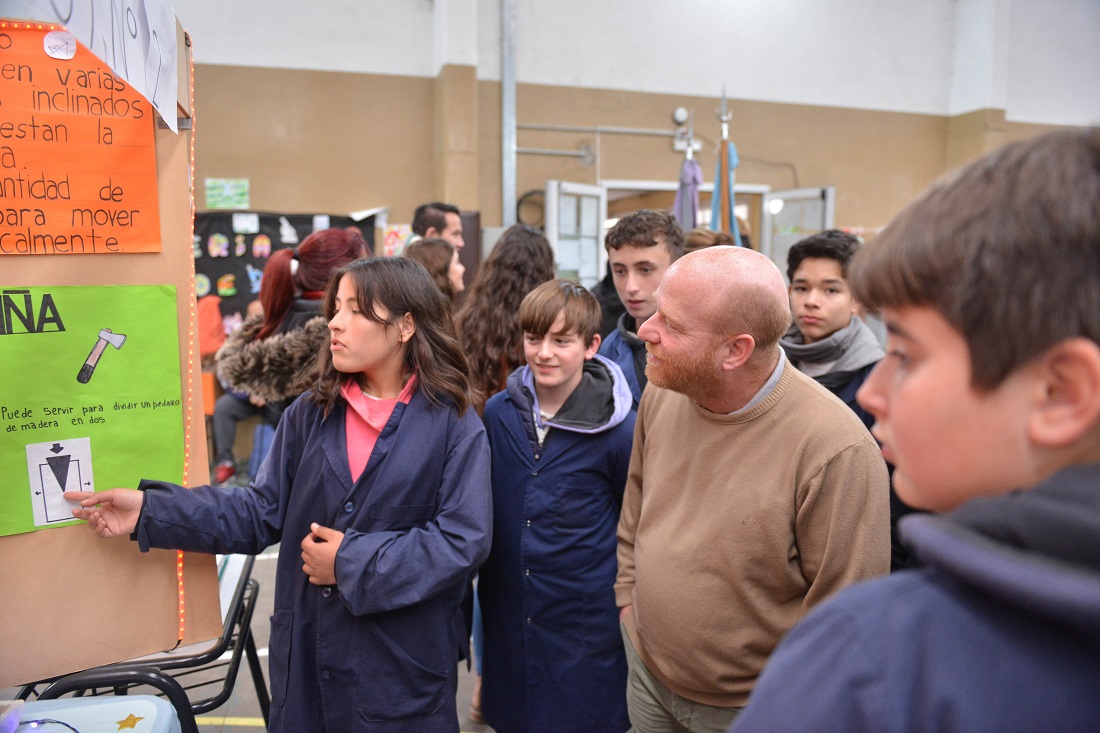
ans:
(654, 708)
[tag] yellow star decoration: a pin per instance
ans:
(130, 721)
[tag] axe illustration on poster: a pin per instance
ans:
(55, 467)
(106, 336)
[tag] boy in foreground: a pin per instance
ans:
(560, 437)
(988, 404)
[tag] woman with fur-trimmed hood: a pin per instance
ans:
(261, 362)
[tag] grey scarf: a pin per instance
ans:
(852, 347)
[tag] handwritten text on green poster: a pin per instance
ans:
(91, 396)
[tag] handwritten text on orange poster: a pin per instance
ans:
(78, 168)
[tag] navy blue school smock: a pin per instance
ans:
(379, 650)
(554, 658)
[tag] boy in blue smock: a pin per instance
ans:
(988, 405)
(560, 436)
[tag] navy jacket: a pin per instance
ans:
(379, 651)
(554, 658)
(847, 389)
(616, 348)
(998, 632)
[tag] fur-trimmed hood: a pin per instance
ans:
(270, 369)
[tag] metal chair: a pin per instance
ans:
(179, 673)
(124, 678)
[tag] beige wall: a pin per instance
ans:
(339, 142)
(315, 141)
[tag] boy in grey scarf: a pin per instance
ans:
(828, 341)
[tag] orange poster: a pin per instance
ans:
(78, 166)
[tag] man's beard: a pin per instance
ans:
(692, 376)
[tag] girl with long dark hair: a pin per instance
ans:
(488, 328)
(378, 487)
(487, 323)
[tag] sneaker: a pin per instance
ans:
(223, 472)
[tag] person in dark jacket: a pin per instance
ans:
(561, 436)
(377, 485)
(488, 330)
(611, 308)
(640, 248)
(988, 403)
(261, 362)
(830, 342)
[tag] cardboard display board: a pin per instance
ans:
(72, 600)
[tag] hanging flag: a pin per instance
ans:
(686, 206)
(722, 218)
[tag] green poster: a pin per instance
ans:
(227, 193)
(90, 398)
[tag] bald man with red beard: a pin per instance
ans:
(753, 494)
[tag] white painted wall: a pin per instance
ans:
(1038, 59)
(365, 36)
(456, 32)
(892, 55)
(1054, 62)
(981, 51)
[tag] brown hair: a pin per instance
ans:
(701, 238)
(542, 305)
(765, 319)
(1007, 250)
(488, 322)
(401, 286)
(647, 228)
(318, 255)
(435, 255)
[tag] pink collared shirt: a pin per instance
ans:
(365, 418)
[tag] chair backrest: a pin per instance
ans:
(179, 717)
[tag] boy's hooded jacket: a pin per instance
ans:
(379, 650)
(999, 632)
(554, 658)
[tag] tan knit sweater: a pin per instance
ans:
(733, 526)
